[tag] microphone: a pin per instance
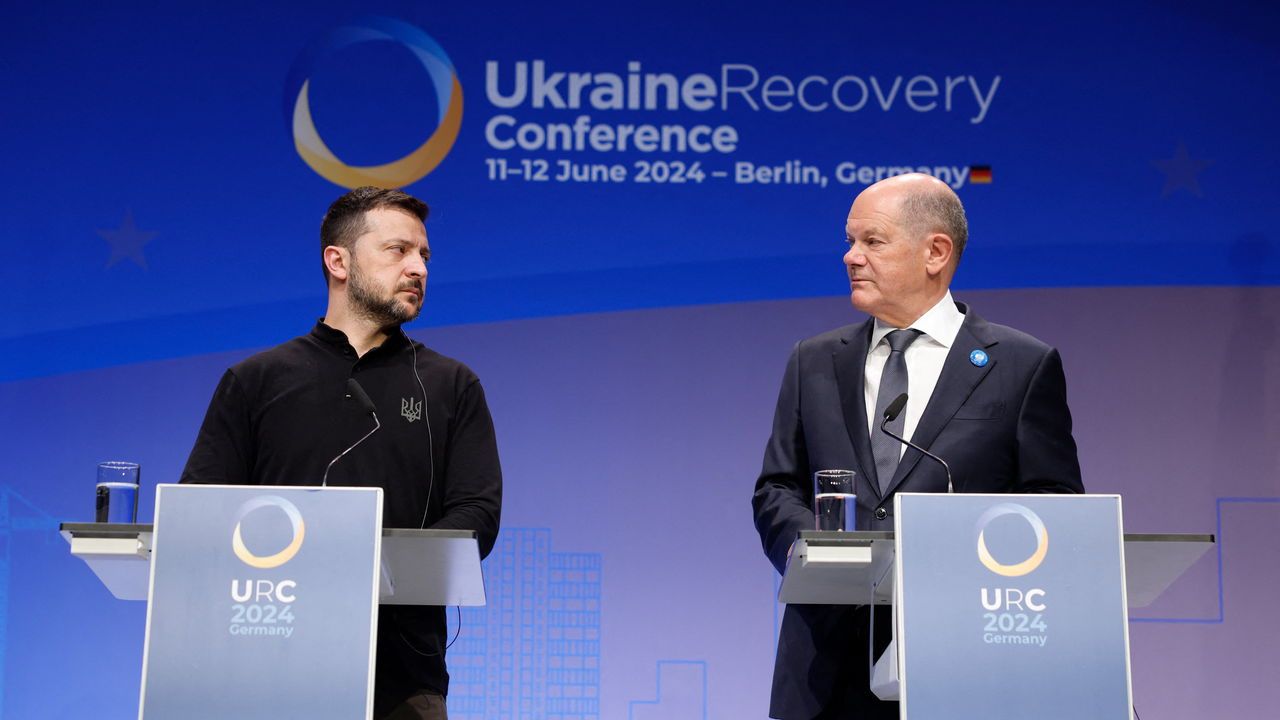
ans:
(890, 414)
(357, 393)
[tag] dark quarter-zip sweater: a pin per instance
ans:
(280, 416)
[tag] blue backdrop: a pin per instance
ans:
(1117, 161)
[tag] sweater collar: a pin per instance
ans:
(336, 339)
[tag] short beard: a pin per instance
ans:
(366, 303)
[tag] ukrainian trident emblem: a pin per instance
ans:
(410, 410)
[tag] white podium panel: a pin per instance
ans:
(1001, 599)
(263, 603)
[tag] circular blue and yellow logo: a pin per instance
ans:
(408, 169)
(298, 527)
(1037, 526)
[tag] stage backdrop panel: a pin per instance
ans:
(637, 211)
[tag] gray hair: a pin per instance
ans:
(936, 210)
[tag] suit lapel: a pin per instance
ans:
(850, 361)
(955, 384)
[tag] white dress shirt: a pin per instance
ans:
(925, 357)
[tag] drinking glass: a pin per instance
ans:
(834, 502)
(117, 492)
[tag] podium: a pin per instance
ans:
(263, 601)
(848, 568)
(1004, 606)
(419, 567)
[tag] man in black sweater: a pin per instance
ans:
(280, 416)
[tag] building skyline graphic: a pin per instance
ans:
(11, 522)
(533, 652)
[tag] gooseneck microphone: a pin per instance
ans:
(890, 414)
(357, 393)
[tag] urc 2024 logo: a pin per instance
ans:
(263, 606)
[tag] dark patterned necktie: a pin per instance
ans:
(893, 382)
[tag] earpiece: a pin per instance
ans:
(426, 414)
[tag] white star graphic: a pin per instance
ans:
(127, 242)
(1180, 172)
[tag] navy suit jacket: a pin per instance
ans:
(1003, 428)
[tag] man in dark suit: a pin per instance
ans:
(988, 399)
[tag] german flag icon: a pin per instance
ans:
(979, 174)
